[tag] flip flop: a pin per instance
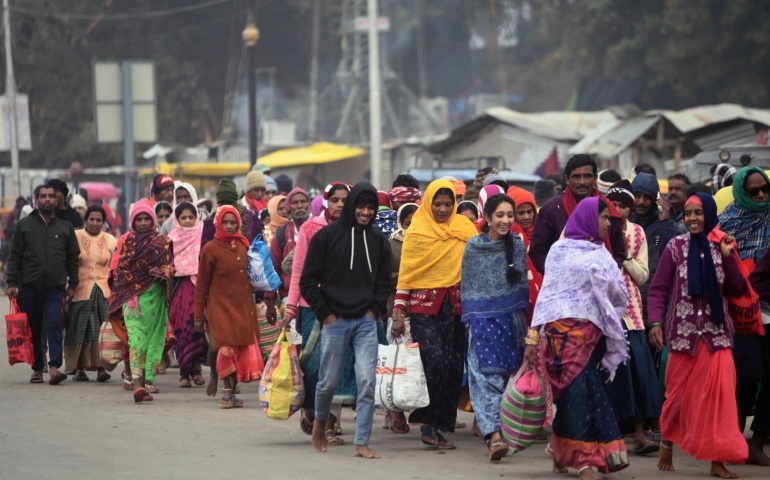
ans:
(140, 394)
(198, 378)
(398, 425)
(57, 379)
(647, 449)
(305, 424)
(332, 439)
(497, 450)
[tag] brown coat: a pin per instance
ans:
(224, 290)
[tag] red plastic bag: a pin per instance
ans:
(746, 310)
(19, 336)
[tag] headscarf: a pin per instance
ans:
(224, 236)
(327, 192)
(317, 206)
(472, 206)
(723, 176)
(584, 221)
(290, 198)
(187, 243)
(190, 189)
(432, 252)
(521, 197)
(405, 194)
(400, 230)
(143, 259)
(488, 191)
(161, 182)
(739, 193)
(702, 279)
(459, 185)
(276, 220)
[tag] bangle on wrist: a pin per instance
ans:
(656, 324)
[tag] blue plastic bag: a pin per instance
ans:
(261, 271)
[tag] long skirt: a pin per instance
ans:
(487, 387)
(636, 379)
(585, 432)
(442, 347)
(244, 361)
(81, 343)
(700, 414)
(146, 326)
(190, 345)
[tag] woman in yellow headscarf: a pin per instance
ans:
(429, 288)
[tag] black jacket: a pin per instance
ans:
(347, 270)
(43, 256)
(72, 216)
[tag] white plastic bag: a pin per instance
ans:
(401, 383)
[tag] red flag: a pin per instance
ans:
(550, 165)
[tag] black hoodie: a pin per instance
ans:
(347, 270)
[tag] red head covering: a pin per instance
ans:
(520, 197)
(383, 199)
(225, 236)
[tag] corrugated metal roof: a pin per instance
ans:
(428, 175)
(692, 119)
(570, 126)
(611, 138)
(740, 134)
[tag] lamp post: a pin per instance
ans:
(250, 37)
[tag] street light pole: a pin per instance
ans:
(10, 92)
(375, 97)
(250, 37)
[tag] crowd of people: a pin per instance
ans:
(616, 296)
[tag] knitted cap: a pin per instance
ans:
(255, 179)
(621, 192)
(271, 186)
(227, 192)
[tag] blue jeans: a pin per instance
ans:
(361, 335)
(39, 304)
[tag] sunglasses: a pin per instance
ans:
(755, 191)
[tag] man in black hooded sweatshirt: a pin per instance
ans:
(346, 281)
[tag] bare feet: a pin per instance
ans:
(211, 389)
(364, 452)
(319, 436)
(557, 467)
(666, 457)
(587, 473)
(719, 470)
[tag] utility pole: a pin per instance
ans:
(375, 97)
(10, 92)
(313, 113)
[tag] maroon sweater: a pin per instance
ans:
(760, 277)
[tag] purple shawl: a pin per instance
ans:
(584, 221)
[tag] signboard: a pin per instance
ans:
(22, 123)
(110, 100)
(361, 24)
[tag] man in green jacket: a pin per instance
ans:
(44, 254)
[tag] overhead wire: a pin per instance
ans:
(118, 16)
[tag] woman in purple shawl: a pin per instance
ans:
(580, 309)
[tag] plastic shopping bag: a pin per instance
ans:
(261, 271)
(401, 383)
(19, 336)
(522, 409)
(110, 347)
(281, 390)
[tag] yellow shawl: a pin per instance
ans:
(432, 253)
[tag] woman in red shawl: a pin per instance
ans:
(138, 306)
(223, 290)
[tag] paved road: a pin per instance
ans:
(88, 430)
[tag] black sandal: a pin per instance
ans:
(438, 440)
(197, 376)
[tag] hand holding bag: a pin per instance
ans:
(18, 336)
(400, 378)
(522, 409)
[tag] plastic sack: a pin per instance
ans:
(401, 383)
(261, 271)
(110, 347)
(18, 336)
(522, 409)
(746, 310)
(281, 390)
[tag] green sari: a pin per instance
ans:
(146, 322)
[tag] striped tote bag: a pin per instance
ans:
(522, 409)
